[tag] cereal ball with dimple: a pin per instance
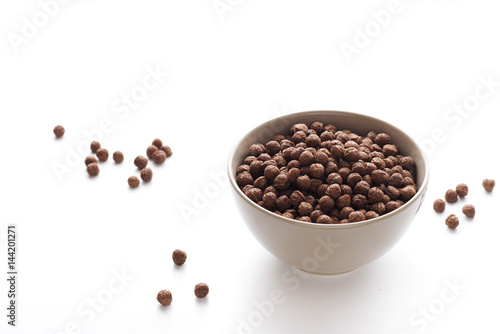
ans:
(389, 150)
(255, 194)
(371, 215)
(356, 216)
(141, 162)
(396, 180)
(305, 209)
(260, 182)
(326, 203)
(303, 182)
(451, 196)
(159, 157)
(283, 203)
(317, 126)
(407, 193)
(257, 168)
(362, 188)
(393, 192)
(334, 190)
(407, 162)
(353, 179)
(299, 137)
(337, 151)
(133, 182)
(118, 157)
(94, 146)
(243, 179)
(306, 158)
(256, 150)
(452, 221)
(439, 205)
(298, 127)
(89, 160)
(270, 172)
(469, 210)
(146, 174)
(488, 184)
(359, 201)
(164, 297)
(93, 169)
(317, 171)
(321, 158)
(269, 200)
(167, 150)
(351, 154)
(59, 131)
(324, 219)
(334, 178)
(382, 139)
(375, 195)
(102, 154)
(158, 143)
(380, 176)
(264, 157)
(358, 167)
(297, 197)
(151, 150)
(392, 205)
(462, 190)
(378, 208)
(343, 201)
(179, 257)
(281, 181)
(273, 147)
(201, 290)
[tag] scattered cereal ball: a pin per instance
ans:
(141, 162)
(469, 210)
(452, 221)
(489, 184)
(102, 154)
(167, 150)
(93, 169)
(150, 151)
(158, 143)
(164, 297)
(179, 257)
(133, 182)
(146, 174)
(451, 196)
(59, 131)
(439, 205)
(462, 190)
(118, 157)
(159, 157)
(201, 290)
(94, 146)
(89, 160)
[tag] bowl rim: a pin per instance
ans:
(421, 190)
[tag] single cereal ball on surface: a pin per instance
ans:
(158, 143)
(469, 210)
(452, 221)
(141, 162)
(439, 205)
(59, 131)
(462, 190)
(451, 196)
(201, 290)
(146, 174)
(93, 169)
(167, 150)
(488, 184)
(118, 157)
(164, 297)
(94, 146)
(150, 151)
(179, 257)
(89, 160)
(159, 157)
(133, 182)
(102, 154)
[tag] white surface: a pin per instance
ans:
(226, 76)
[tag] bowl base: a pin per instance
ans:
(324, 274)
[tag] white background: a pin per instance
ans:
(227, 75)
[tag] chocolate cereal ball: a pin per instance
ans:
(102, 154)
(201, 290)
(159, 157)
(59, 131)
(94, 146)
(89, 160)
(133, 182)
(488, 184)
(93, 169)
(451, 196)
(146, 174)
(141, 162)
(118, 157)
(452, 221)
(462, 190)
(164, 297)
(150, 151)
(179, 257)
(167, 150)
(439, 205)
(158, 143)
(469, 210)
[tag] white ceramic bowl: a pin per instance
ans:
(337, 248)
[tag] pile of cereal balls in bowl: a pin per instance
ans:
(320, 174)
